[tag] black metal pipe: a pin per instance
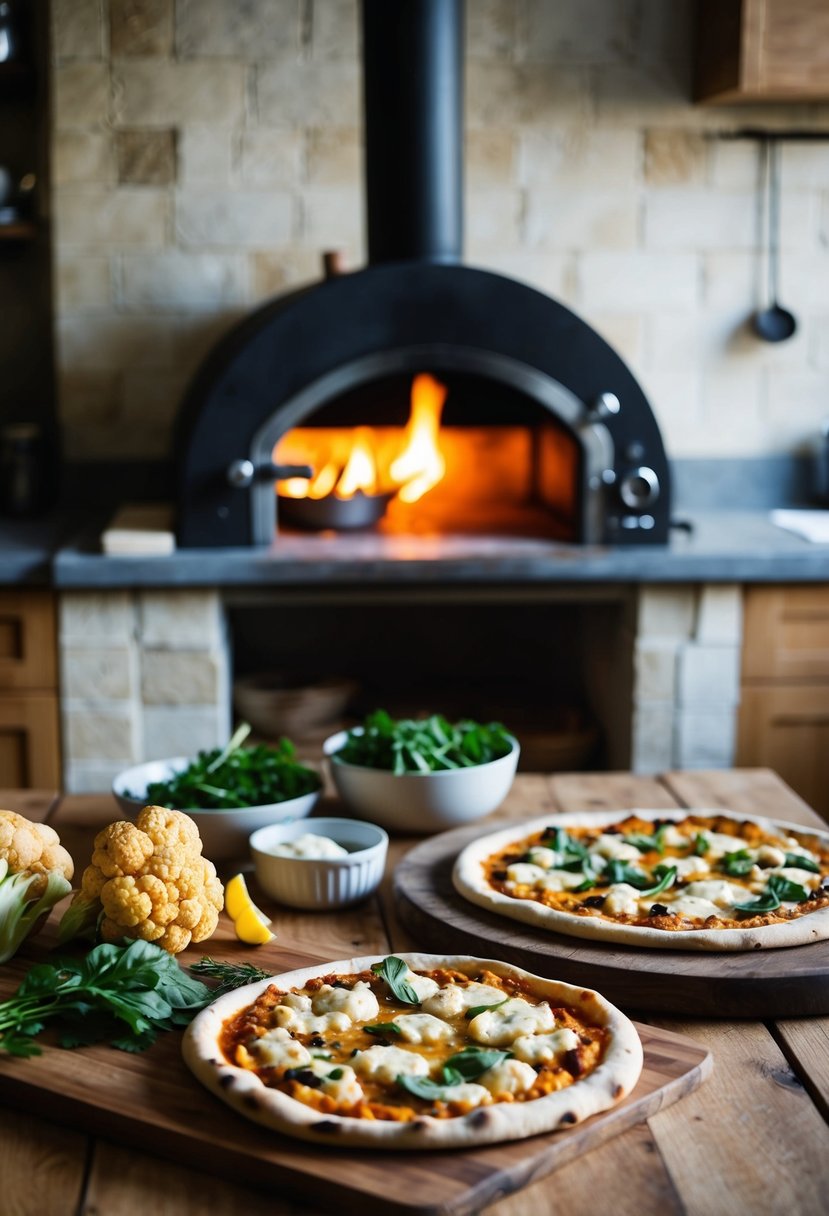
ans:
(413, 97)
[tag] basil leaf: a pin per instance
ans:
(787, 890)
(476, 1009)
(451, 1076)
(473, 1061)
(383, 1028)
(620, 871)
(798, 862)
(393, 970)
(667, 880)
(647, 844)
(422, 1087)
(423, 745)
(766, 903)
(738, 864)
(334, 1075)
(701, 844)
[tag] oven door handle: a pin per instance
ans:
(241, 474)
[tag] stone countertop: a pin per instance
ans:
(719, 546)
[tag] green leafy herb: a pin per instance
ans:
(234, 776)
(320, 1055)
(784, 889)
(738, 864)
(667, 879)
(701, 844)
(393, 970)
(122, 994)
(383, 1028)
(476, 1009)
(648, 844)
(798, 862)
(335, 1074)
(424, 746)
(466, 1065)
(229, 975)
(620, 871)
(766, 903)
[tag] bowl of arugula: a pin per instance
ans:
(229, 792)
(422, 775)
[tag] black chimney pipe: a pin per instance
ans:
(413, 97)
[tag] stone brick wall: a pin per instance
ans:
(206, 151)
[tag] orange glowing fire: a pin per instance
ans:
(372, 461)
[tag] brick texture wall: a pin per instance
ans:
(205, 152)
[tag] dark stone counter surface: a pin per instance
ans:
(723, 546)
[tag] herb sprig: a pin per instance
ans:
(120, 994)
(234, 776)
(229, 975)
(425, 745)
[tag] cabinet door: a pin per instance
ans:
(29, 742)
(762, 50)
(786, 633)
(786, 727)
(27, 640)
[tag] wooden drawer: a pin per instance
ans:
(786, 633)
(29, 741)
(786, 727)
(27, 640)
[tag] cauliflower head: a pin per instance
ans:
(35, 873)
(148, 880)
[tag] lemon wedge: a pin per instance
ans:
(251, 924)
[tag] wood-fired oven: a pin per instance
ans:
(419, 394)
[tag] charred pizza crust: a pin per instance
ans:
(567, 901)
(214, 1043)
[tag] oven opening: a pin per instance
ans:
(426, 454)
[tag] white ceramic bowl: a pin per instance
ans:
(321, 883)
(224, 833)
(421, 802)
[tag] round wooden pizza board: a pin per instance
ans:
(792, 981)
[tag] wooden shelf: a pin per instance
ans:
(20, 230)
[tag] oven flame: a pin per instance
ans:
(367, 461)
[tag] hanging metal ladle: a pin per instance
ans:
(773, 323)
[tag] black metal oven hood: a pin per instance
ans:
(415, 308)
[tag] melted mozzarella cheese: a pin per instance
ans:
(538, 1048)
(297, 1000)
(685, 866)
(769, 854)
(611, 845)
(359, 1002)
(522, 874)
(720, 845)
(509, 1077)
(717, 891)
(423, 1028)
(560, 880)
(544, 857)
(307, 1023)
(384, 1064)
(500, 1027)
(423, 986)
(454, 999)
(693, 906)
(621, 900)
(343, 1086)
(673, 838)
(277, 1049)
(467, 1092)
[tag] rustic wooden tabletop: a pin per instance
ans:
(752, 1138)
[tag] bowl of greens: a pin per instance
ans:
(229, 792)
(422, 775)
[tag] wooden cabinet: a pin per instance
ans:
(784, 703)
(762, 50)
(29, 718)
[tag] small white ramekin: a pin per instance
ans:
(321, 883)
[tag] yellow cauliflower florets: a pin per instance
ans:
(151, 881)
(32, 847)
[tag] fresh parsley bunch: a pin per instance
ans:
(425, 745)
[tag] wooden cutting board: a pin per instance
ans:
(758, 983)
(151, 1100)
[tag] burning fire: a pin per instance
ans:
(367, 461)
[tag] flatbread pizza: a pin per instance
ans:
(680, 880)
(414, 1051)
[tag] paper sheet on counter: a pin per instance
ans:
(812, 525)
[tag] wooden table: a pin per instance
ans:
(752, 1139)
